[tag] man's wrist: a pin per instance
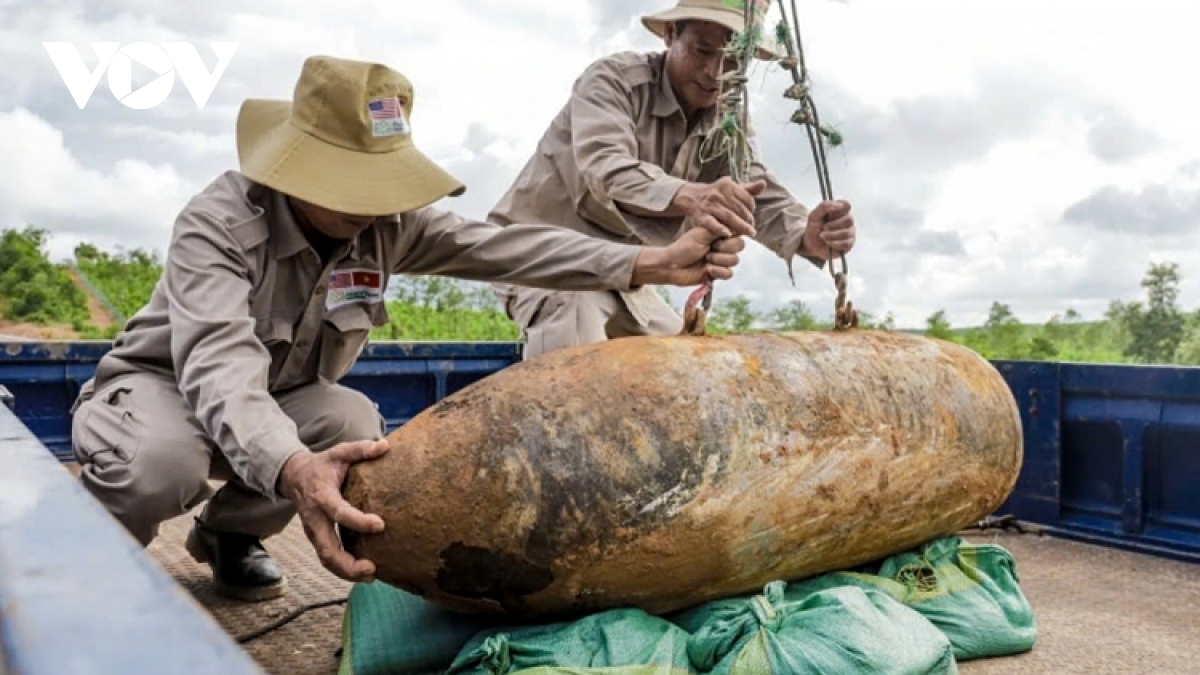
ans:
(685, 199)
(650, 266)
(287, 471)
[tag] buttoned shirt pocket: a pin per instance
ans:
(344, 335)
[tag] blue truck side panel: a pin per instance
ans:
(78, 594)
(402, 378)
(1112, 454)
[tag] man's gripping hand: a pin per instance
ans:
(313, 482)
(696, 257)
(724, 208)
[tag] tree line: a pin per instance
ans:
(1154, 329)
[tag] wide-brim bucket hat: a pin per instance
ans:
(344, 142)
(728, 13)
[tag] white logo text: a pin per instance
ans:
(165, 61)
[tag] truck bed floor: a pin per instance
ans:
(1098, 610)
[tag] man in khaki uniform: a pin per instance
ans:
(622, 162)
(274, 277)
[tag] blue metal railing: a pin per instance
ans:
(78, 594)
(403, 378)
(1112, 454)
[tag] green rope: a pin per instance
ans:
(727, 138)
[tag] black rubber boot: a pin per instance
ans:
(242, 568)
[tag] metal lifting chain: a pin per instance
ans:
(806, 116)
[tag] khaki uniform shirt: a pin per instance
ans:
(245, 308)
(623, 137)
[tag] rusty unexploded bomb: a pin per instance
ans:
(662, 472)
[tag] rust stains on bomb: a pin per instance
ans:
(661, 472)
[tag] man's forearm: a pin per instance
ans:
(681, 205)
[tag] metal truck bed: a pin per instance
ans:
(1112, 469)
(1099, 609)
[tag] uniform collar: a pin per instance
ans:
(290, 238)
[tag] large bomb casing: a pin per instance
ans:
(662, 472)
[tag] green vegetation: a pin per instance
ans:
(32, 289)
(1155, 330)
(125, 279)
(1152, 330)
(433, 308)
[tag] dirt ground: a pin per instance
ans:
(98, 315)
(26, 332)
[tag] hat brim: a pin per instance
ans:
(274, 152)
(768, 49)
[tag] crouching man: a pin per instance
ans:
(274, 277)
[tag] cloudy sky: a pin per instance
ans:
(1042, 154)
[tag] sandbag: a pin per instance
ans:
(617, 642)
(386, 631)
(970, 592)
(664, 472)
(791, 630)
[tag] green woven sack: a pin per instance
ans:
(386, 631)
(618, 642)
(801, 631)
(969, 592)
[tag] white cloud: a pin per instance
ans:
(970, 128)
(130, 202)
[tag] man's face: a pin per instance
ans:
(695, 62)
(332, 224)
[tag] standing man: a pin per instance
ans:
(622, 162)
(274, 278)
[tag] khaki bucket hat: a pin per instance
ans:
(728, 13)
(343, 142)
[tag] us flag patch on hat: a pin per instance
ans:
(387, 117)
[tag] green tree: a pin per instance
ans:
(938, 326)
(1004, 332)
(735, 315)
(1188, 351)
(32, 289)
(1156, 328)
(438, 293)
(1042, 349)
(794, 316)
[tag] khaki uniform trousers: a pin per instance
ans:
(554, 320)
(145, 457)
